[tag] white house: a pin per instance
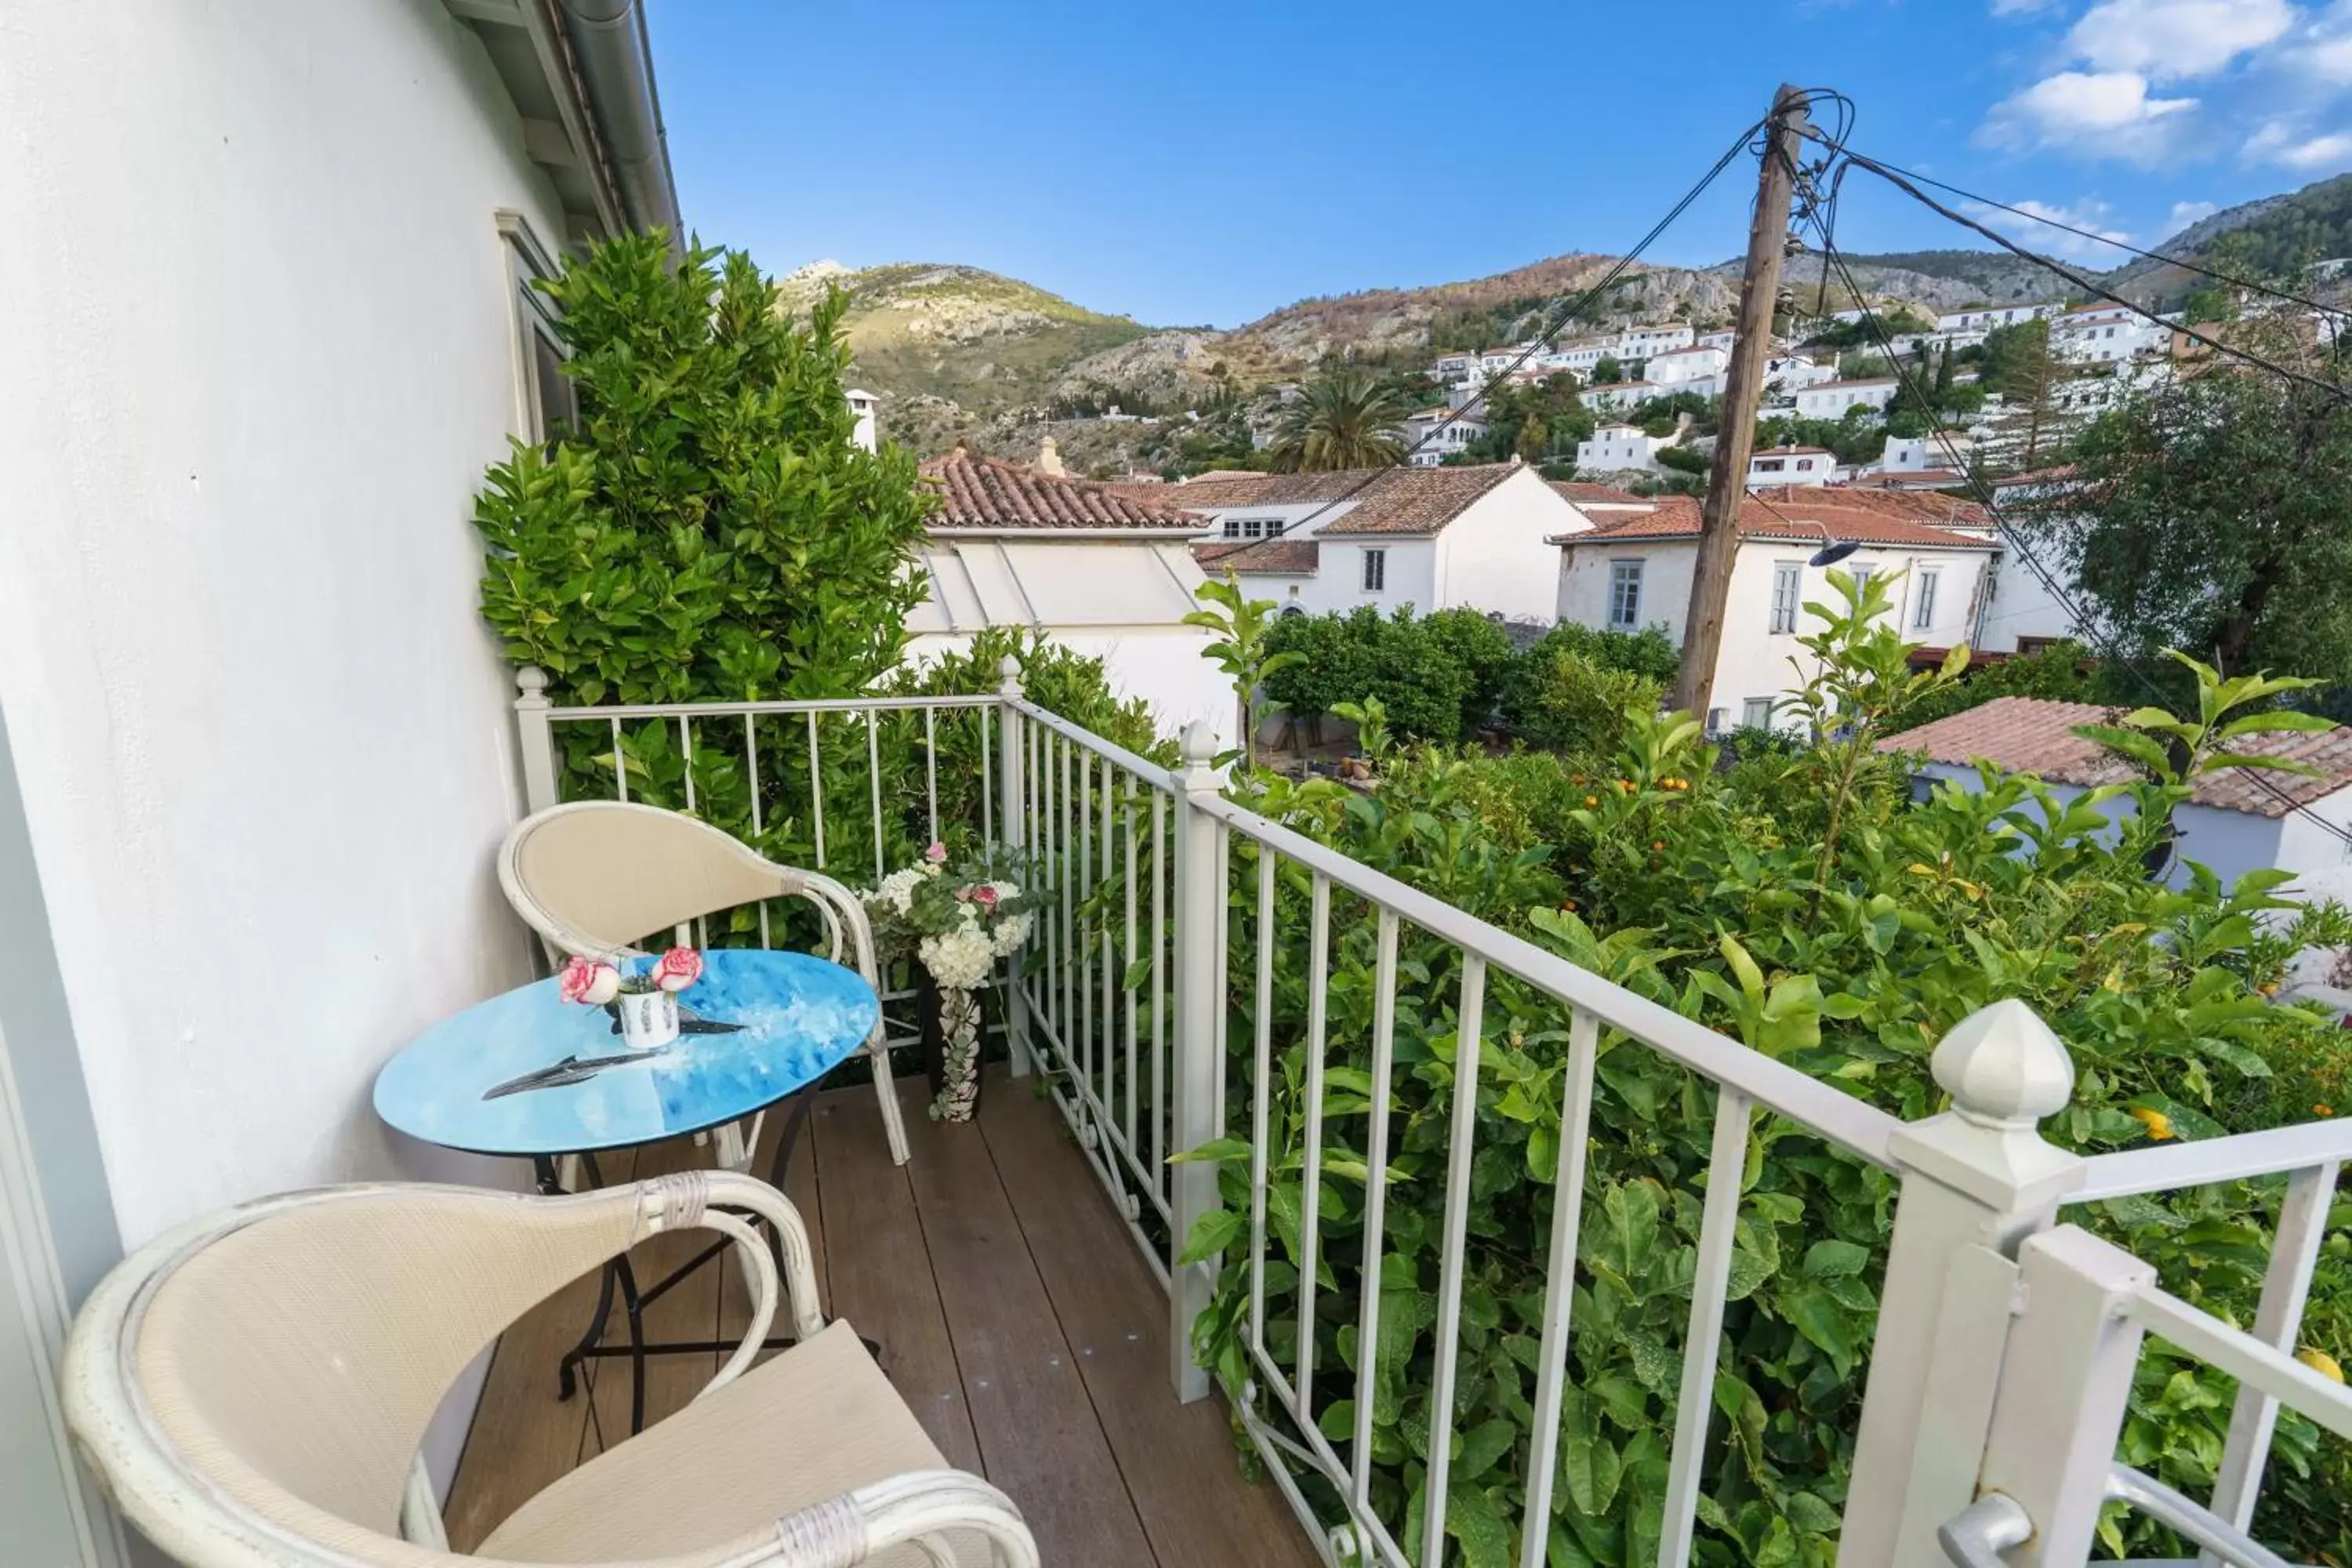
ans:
(1984, 318)
(1700, 369)
(259, 744)
(1617, 448)
(1435, 434)
(1721, 340)
(1603, 504)
(1432, 538)
(1103, 570)
(1614, 397)
(2024, 612)
(1791, 466)
(2231, 824)
(2104, 335)
(1830, 399)
(1634, 572)
(1647, 342)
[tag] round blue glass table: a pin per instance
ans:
(528, 1075)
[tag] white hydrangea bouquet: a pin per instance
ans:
(957, 922)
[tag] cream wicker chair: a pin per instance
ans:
(253, 1388)
(596, 875)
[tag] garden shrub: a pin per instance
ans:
(1804, 904)
(1571, 686)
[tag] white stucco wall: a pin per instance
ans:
(1163, 665)
(1755, 660)
(255, 353)
(1494, 558)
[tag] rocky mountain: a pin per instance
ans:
(958, 352)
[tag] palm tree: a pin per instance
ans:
(1346, 420)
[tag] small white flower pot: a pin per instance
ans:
(648, 1019)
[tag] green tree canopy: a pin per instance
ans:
(2215, 513)
(1346, 419)
(708, 529)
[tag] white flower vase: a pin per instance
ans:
(648, 1019)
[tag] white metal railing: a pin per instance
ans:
(1132, 979)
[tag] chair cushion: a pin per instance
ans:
(816, 1421)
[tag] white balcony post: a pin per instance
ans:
(2065, 1385)
(1012, 813)
(537, 738)
(1192, 1112)
(1978, 1180)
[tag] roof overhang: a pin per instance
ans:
(580, 74)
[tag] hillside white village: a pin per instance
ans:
(1635, 912)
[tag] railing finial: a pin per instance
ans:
(1198, 748)
(532, 681)
(2003, 1066)
(1008, 670)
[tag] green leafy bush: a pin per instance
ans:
(1438, 677)
(1573, 687)
(708, 529)
(1806, 904)
(2062, 672)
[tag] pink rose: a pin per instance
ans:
(587, 982)
(937, 854)
(984, 896)
(679, 968)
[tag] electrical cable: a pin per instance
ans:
(2081, 281)
(2285, 296)
(1824, 225)
(1608, 281)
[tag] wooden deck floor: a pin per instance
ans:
(1014, 1316)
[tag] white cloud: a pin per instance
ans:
(2278, 142)
(2089, 215)
(2185, 214)
(2102, 111)
(2166, 40)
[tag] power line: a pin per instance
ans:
(2079, 281)
(1824, 225)
(1538, 345)
(1879, 165)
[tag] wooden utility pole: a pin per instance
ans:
(1726, 485)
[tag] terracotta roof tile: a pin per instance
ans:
(1280, 557)
(2032, 734)
(1385, 501)
(984, 493)
(1677, 517)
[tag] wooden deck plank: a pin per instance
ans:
(1040, 1439)
(881, 1273)
(1178, 1460)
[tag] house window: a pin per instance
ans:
(1756, 713)
(1924, 614)
(1233, 528)
(1376, 571)
(1769, 465)
(1786, 577)
(1714, 719)
(1861, 577)
(546, 403)
(1625, 596)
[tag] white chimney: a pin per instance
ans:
(1049, 459)
(861, 404)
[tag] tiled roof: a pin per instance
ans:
(984, 493)
(2031, 734)
(1385, 501)
(1279, 557)
(2036, 477)
(1918, 506)
(1677, 517)
(1598, 495)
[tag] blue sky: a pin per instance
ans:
(1207, 162)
